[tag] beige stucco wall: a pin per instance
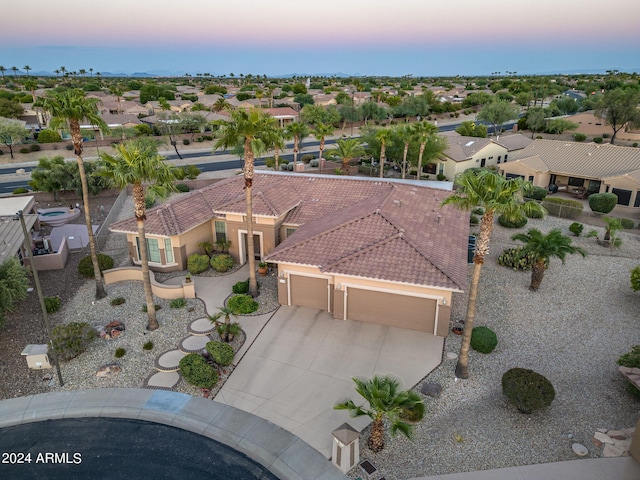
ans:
(451, 168)
(168, 292)
(51, 261)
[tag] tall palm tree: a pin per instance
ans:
(425, 134)
(298, 131)
(256, 130)
(118, 91)
(386, 400)
(280, 137)
(497, 196)
(27, 68)
(383, 135)
(348, 149)
(67, 109)
(542, 247)
(2, 70)
(221, 104)
(15, 71)
(405, 133)
(321, 131)
(135, 163)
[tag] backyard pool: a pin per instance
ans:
(52, 214)
(58, 216)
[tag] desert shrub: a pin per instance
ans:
(181, 187)
(597, 139)
(118, 301)
(441, 177)
(537, 193)
(635, 278)
(222, 353)
(148, 346)
(120, 352)
(242, 304)
(414, 413)
(627, 223)
(515, 259)
(20, 190)
(85, 266)
(603, 202)
(145, 309)
(270, 162)
(52, 304)
(630, 359)
(196, 371)
(478, 211)
(34, 147)
(563, 207)
(535, 214)
(579, 137)
(516, 221)
(190, 172)
(307, 157)
(186, 141)
(71, 339)
(576, 228)
(527, 390)
(69, 147)
(606, 135)
(49, 136)
(483, 339)
(634, 144)
(178, 303)
(222, 263)
(197, 263)
(474, 219)
(24, 150)
(240, 288)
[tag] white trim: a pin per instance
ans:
(241, 252)
(328, 278)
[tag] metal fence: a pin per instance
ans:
(103, 232)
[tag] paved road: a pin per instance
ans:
(113, 448)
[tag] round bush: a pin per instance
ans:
(474, 219)
(527, 390)
(576, 228)
(579, 137)
(603, 202)
(196, 371)
(517, 221)
(49, 136)
(85, 266)
(24, 150)
(20, 190)
(535, 214)
(483, 339)
(222, 353)
(241, 288)
(627, 223)
(597, 139)
(242, 304)
(222, 263)
(197, 263)
(478, 211)
(120, 352)
(52, 304)
(71, 339)
(537, 193)
(181, 187)
(513, 258)
(34, 147)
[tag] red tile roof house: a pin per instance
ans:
(368, 250)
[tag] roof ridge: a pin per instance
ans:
(362, 251)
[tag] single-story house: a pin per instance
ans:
(586, 167)
(11, 233)
(380, 251)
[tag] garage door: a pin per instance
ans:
(396, 310)
(309, 291)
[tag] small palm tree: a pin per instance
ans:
(406, 134)
(386, 400)
(384, 136)
(348, 149)
(224, 329)
(542, 247)
(298, 131)
(321, 131)
(426, 135)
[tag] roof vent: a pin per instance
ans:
(468, 144)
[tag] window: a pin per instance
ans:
(499, 158)
(153, 251)
(289, 231)
(576, 182)
(531, 178)
(483, 162)
(505, 158)
(168, 250)
(441, 168)
(624, 196)
(221, 231)
(637, 202)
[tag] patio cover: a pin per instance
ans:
(77, 236)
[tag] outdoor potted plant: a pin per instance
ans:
(262, 269)
(187, 278)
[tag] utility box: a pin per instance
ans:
(346, 447)
(37, 356)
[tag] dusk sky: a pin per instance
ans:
(278, 37)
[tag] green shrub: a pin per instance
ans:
(307, 157)
(222, 353)
(71, 339)
(178, 303)
(634, 144)
(240, 288)
(630, 359)
(635, 278)
(52, 304)
(597, 139)
(474, 219)
(576, 228)
(69, 147)
(181, 187)
(441, 177)
(49, 136)
(197, 263)
(118, 301)
(603, 202)
(34, 147)
(537, 193)
(186, 141)
(148, 346)
(190, 172)
(579, 137)
(242, 304)
(627, 223)
(562, 207)
(527, 390)
(24, 150)
(196, 371)
(145, 309)
(20, 190)
(120, 352)
(483, 339)
(222, 263)
(606, 135)
(85, 266)
(535, 214)
(516, 221)
(228, 330)
(149, 202)
(478, 211)
(513, 258)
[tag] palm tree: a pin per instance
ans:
(427, 134)
(385, 400)
(15, 71)
(405, 133)
(348, 149)
(27, 68)
(257, 131)
(224, 329)
(137, 162)
(496, 195)
(221, 104)
(118, 91)
(321, 131)
(2, 70)
(542, 247)
(383, 135)
(67, 109)
(298, 131)
(281, 136)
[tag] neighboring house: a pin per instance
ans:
(369, 250)
(154, 107)
(324, 100)
(208, 100)
(593, 126)
(584, 167)
(463, 153)
(284, 115)
(11, 234)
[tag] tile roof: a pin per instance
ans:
(517, 141)
(588, 160)
(463, 148)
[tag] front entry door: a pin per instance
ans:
(256, 246)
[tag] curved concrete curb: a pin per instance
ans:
(284, 454)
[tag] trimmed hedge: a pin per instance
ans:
(222, 263)
(537, 193)
(181, 187)
(627, 223)
(242, 304)
(483, 339)
(527, 390)
(222, 353)
(196, 371)
(576, 228)
(563, 208)
(71, 339)
(197, 263)
(603, 202)
(240, 288)
(85, 266)
(517, 221)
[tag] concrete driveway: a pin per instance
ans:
(302, 362)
